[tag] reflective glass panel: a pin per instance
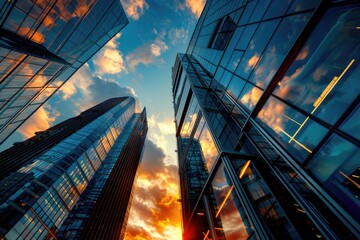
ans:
(256, 47)
(278, 48)
(250, 95)
(352, 124)
(208, 147)
(323, 79)
(229, 211)
(337, 167)
(295, 131)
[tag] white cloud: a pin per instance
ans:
(109, 60)
(91, 90)
(135, 8)
(41, 120)
(147, 53)
(177, 34)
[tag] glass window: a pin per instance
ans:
(278, 48)
(250, 95)
(337, 167)
(224, 34)
(352, 124)
(235, 86)
(229, 213)
(277, 8)
(234, 60)
(259, 10)
(246, 36)
(323, 79)
(256, 47)
(190, 118)
(208, 147)
(301, 5)
(296, 132)
(225, 79)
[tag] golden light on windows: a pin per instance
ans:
(224, 201)
(206, 235)
(244, 168)
(349, 179)
(322, 97)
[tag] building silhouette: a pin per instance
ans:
(78, 180)
(42, 43)
(268, 94)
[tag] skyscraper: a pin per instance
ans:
(266, 103)
(42, 43)
(79, 182)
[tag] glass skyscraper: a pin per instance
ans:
(267, 113)
(42, 43)
(79, 184)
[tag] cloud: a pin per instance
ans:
(68, 89)
(155, 212)
(91, 90)
(195, 6)
(135, 8)
(159, 131)
(41, 120)
(167, 127)
(177, 34)
(147, 53)
(109, 60)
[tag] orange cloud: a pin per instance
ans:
(147, 53)
(109, 59)
(36, 37)
(68, 89)
(41, 120)
(208, 148)
(135, 8)
(251, 98)
(155, 212)
(195, 6)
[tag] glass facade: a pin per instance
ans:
(42, 43)
(75, 170)
(269, 90)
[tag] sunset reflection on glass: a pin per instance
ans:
(235, 224)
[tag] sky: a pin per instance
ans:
(136, 62)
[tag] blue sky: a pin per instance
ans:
(137, 62)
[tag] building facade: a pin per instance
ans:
(80, 186)
(266, 103)
(42, 43)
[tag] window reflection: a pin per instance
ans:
(337, 167)
(278, 48)
(229, 213)
(190, 118)
(250, 95)
(352, 124)
(323, 78)
(255, 48)
(296, 132)
(208, 147)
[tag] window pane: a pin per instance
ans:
(325, 72)
(229, 212)
(250, 96)
(352, 124)
(337, 167)
(208, 147)
(296, 132)
(278, 48)
(256, 47)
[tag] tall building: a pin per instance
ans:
(267, 112)
(42, 43)
(78, 184)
